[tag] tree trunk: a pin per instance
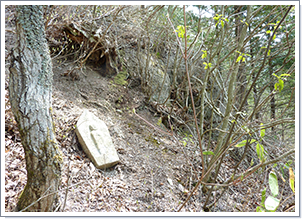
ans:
(241, 78)
(30, 88)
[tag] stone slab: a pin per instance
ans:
(96, 141)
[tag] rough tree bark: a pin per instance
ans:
(30, 88)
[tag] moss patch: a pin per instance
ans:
(120, 79)
(152, 140)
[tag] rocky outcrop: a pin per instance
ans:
(157, 82)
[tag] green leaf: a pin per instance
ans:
(243, 143)
(281, 84)
(288, 163)
(260, 151)
(292, 179)
(180, 27)
(207, 65)
(263, 196)
(184, 143)
(273, 183)
(159, 121)
(268, 53)
(272, 203)
(204, 55)
(222, 24)
(276, 86)
(260, 209)
(284, 74)
(252, 141)
(181, 31)
(268, 32)
(239, 59)
(252, 162)
(217, 17)
(208, 153)
(274, 37)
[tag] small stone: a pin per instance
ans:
(181, 188)
(75, 171)
(170, 181)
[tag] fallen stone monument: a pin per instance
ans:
(96, 141)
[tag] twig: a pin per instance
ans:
(180, 45)
(253, 169)
(9, 30)
(235, 180)
(191, 95)
(101, 38)
(167, 133)
(156, 128)
(66, 191)
(37, 200)
(52, 193)
(293, 194)
(289, 208)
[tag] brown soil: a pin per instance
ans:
(154, 173)
(152, 165)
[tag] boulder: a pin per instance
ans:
(96, 141)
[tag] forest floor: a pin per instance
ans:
(154, 172)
